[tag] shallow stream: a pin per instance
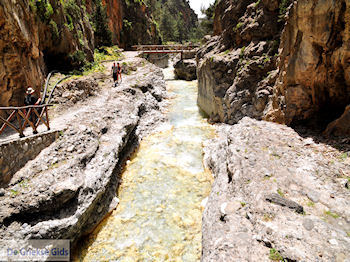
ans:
(163, 192)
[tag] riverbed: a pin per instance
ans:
(163, 191)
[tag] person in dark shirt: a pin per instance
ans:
(30, 99)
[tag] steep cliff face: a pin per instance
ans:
(235, 69)
(34, 39)
(314, 70)
(39, 36)
(139, 26)
(20, 56)
(242, 73)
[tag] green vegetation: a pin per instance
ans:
(238, 26)
(243, 204)
(78, 59)
(275, 255)
(257, 3)
(331, 214)
(176, 23)
(310, 204)
(100, 55)
(206, 24)
(54, 30)
(344, 156)
(280, 192)
(283, 9)
(103, 36)
(43, 9)
(14, 192)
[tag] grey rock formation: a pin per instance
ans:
(281, 61)
(186, 69)
(235, 69)
(254, 159)
(72, 184)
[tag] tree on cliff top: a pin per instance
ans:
(175, 18)
(103, 36)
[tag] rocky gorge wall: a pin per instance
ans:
(234, 66)
(39, 36)
(314, 68)
(279, 62)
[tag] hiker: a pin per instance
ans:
(117, 71)
(30, 99)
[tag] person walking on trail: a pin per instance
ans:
(117, 71)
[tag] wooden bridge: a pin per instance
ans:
(164, 49)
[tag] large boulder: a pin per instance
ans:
(185, 69)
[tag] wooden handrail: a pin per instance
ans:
(23, 107)
(26, 115)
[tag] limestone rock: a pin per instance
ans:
(295, 72)
(75, 90)
(254, 159)
(186, 69)
(341, 126)
(63, 194)
(314, 75)
(235, 68)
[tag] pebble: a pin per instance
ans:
(70, 149)
(333, 242)
(204, 202)
(313, 195)
(308, 224)
(2, 192)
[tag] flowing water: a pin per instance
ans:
(163, 192)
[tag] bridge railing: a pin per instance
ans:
(25, 115)
(163, 47)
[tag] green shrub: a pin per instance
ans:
(275, 255)
(103, 36)
(42, 8)
(283, 9)
(54, 30)
(72, 9)
(78, 59)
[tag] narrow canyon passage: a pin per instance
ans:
(163, 191)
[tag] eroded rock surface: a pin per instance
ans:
(242, 73)
(235, 68)
(71, 185)
(275, 191)
(186, 69)
(314, 69)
